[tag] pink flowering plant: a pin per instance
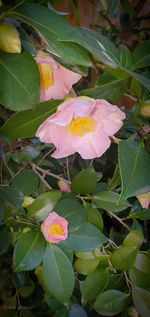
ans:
(75, 163)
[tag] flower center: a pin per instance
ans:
(80, 126)
(46, 78)
(54, 229)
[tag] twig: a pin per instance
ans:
(131, 97)
(118, 219)
(41, 178)
(49, 152)
(48, 173)
(9, 170)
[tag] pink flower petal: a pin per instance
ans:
(63, 141)
(92, 144)
(47, 59)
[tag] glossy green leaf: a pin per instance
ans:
(85, 181)
(124, 256)
(110, 91)
(99, 45)
(66, 248)
(88, 237)
(26, 181)
(2, 210)
(94, 217)
(62, 312)
(85, 255)
(142, 262)
(12, 194)
(87, 266)
(116, 179)
(135, 86)
(145, 81)
(135, 171)
(141, 300)
(58, 273)
(20, 81)
(52, 26)
(73, 211)
(24, 124)
(29, 251)
(29, 152)
(26, 291)
(125, 57)
(139, 278)
(44, 204)
(141, 55)
(95, 283)
(76, 310)
(110, 302)
(108, 201)
(116, 281)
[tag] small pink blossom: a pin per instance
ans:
(65, 187)
(55, 80)
(55, 228)
(144, 199)
(81, 125)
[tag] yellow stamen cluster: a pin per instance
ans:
(54, 229)
(46, 78)
(80, 126)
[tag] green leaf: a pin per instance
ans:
(26, 291)
(26, 181)
(111, 91)
(95, 283)
(141, 55)
(116, 179)
(141, 300)
(73, 211)
(110, 302)
(20, 81)
(52, 26)
(24, 124)
(125, 57)
(62, 312)
(76, 310)
(86, 266)
(123, 257)
(58, 273)
(2, 210)
(85, 181)
(66, 248)
(29, 153)
(44, 204)
(142, 79)
(139, 278)
(108, 201)
(94, 217)
(135, 171)
(135, 86)
(99, 45)
(12, 194)
(29, 251)
(142, 263)
(87, 238)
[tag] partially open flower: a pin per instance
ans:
(9, 38)
(55, 228)
(56, 81)
(144, 199)
(81, 125)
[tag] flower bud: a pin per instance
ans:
(65, 187)
(9, 38)
(144, 199)
(145, 109)
(27, 201)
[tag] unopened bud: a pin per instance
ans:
(9, 38)
(65, 187)
(145, 109)
(144, 199)
(27, 201)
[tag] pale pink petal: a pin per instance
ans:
(62, 118)
(92, 144)
(63, 141)
(43, 132)
(47, 59)
(109, 115)
(80, 106)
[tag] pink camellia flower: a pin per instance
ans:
(55, 80)
(64, 186)
(144, 199)
(81, 125)
(55, 228)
